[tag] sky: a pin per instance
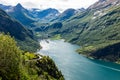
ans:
(44, 4)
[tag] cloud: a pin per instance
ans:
(58, 4)
(29, 4)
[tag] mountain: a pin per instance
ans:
(66, 14)
(24, 36)
(47, 14)
(81, 10)
(32, 16)
(102, 4)
(15, 29)
(34, 12)
(56, 20)
(22, 15)
(93, 29)
(5, 7)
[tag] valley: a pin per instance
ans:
(47, 44)
(93, 29)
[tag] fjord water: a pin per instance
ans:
(76, 67)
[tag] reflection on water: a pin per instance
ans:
(75, 66)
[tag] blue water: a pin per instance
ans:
(76, 67)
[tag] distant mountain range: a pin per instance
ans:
(28, 17)
(5, 7)
(67, 14)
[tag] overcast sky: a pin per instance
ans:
(43, 4)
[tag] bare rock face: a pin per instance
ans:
(102, 0)
(103, 4)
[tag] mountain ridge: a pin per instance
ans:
(101, 4)
(18, 31)
(92, 29)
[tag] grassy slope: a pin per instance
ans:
(24, 36)
(91, 29)
(99, 33)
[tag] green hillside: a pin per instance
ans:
(18, 65)
(96, 28)
(24, 36)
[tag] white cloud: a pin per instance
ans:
(58, 4)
